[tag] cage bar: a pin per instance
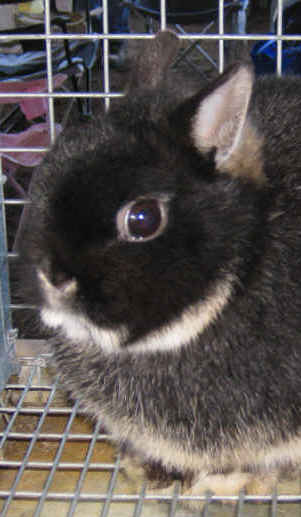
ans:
(8, 364)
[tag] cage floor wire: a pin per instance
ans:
(54, 461)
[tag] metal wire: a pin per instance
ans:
(174, 501)
(240, 503)
(110, 496)
(17, 409)
(84, 471)
(55, 462)
(140, 503)
(106, 65)
(163, 15)
(28, 452)
(49, 72)
(279, 41)
(274, 504)
(142, 36)
(221, 43)
(111, 488)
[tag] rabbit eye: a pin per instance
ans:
(142, 220)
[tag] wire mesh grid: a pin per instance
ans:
(53, 460)
(61, 479)
(59, 464)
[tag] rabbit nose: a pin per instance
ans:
(55, 278)
(55, 294)
(59, 278)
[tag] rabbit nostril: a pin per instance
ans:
(59, 277)
(65, 288)
(56, 275)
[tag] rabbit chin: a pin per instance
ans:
(173, 335)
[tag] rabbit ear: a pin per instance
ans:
(221, 122)
(153, 60)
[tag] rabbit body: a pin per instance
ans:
(164, 243)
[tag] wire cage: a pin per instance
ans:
(52, 460)
(8, 334)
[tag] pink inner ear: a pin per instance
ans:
(221, 115)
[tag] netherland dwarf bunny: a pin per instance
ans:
(164, 244)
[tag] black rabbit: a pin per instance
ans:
(164, 244)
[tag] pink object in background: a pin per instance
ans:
(37, 135)
(32, 107)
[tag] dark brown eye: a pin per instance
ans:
(142, 219)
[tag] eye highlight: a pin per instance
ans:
(143, 219)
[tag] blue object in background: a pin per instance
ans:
(264, 56)
(118, 15)
(264, 53)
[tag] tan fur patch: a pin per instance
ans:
(246, 161)
(190, 324)
(203, 484)
(250, 453)
(262, 485)
(219, 484)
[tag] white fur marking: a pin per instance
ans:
(80, 329)
(76, 327)
(174, 454)
(192, 322)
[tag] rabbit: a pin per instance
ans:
(163, 247)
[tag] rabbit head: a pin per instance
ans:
(138, 229)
